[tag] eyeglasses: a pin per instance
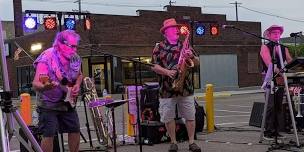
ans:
(69, 45)
(275, 32)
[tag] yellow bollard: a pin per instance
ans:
(209, 108)
(25, 107)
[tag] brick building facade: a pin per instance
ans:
(135, 37)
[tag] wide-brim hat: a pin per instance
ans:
(266, 33)
(168, 23)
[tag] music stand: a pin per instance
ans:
(112, 106)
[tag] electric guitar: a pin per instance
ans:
(67, 87)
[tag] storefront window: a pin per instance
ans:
(144, 72)
(25, 77)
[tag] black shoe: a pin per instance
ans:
(194, 148)
(268, 136)
(173, 148)
(278, 135)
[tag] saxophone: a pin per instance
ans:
(183, 66)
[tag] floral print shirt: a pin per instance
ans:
(167, 55)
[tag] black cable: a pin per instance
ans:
(273, 15)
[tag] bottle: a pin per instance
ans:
(35, 118)
(104, 93)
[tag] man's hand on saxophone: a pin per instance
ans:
(162, 71)
(188, 54)
(171, 73)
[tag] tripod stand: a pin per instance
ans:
(11, 112)
(7, 129)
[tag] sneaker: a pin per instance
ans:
(278, 135)
(268, 137)
(173, 148)
(194, 148)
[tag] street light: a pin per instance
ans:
(35, 48)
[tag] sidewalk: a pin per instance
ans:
(240, 91)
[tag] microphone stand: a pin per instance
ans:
(135, 63)
(274, 88)
(138, 113)
(295, 43)
(286, 87)
(257, 36)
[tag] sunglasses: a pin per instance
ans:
(69, 45)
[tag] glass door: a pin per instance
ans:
(98, 75)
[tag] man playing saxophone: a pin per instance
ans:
(173, 60)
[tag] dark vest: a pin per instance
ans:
(270, 46)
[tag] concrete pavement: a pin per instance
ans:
(233, 134)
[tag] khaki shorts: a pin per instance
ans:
(185, 106)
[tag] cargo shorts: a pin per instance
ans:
(51, 122)
(185, 108)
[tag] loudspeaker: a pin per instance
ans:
(256, 116)
(149, 96)
(149, 103)
(154, 132)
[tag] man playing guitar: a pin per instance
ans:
(57, 78)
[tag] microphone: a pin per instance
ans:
(295, 34)
(227, 26)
